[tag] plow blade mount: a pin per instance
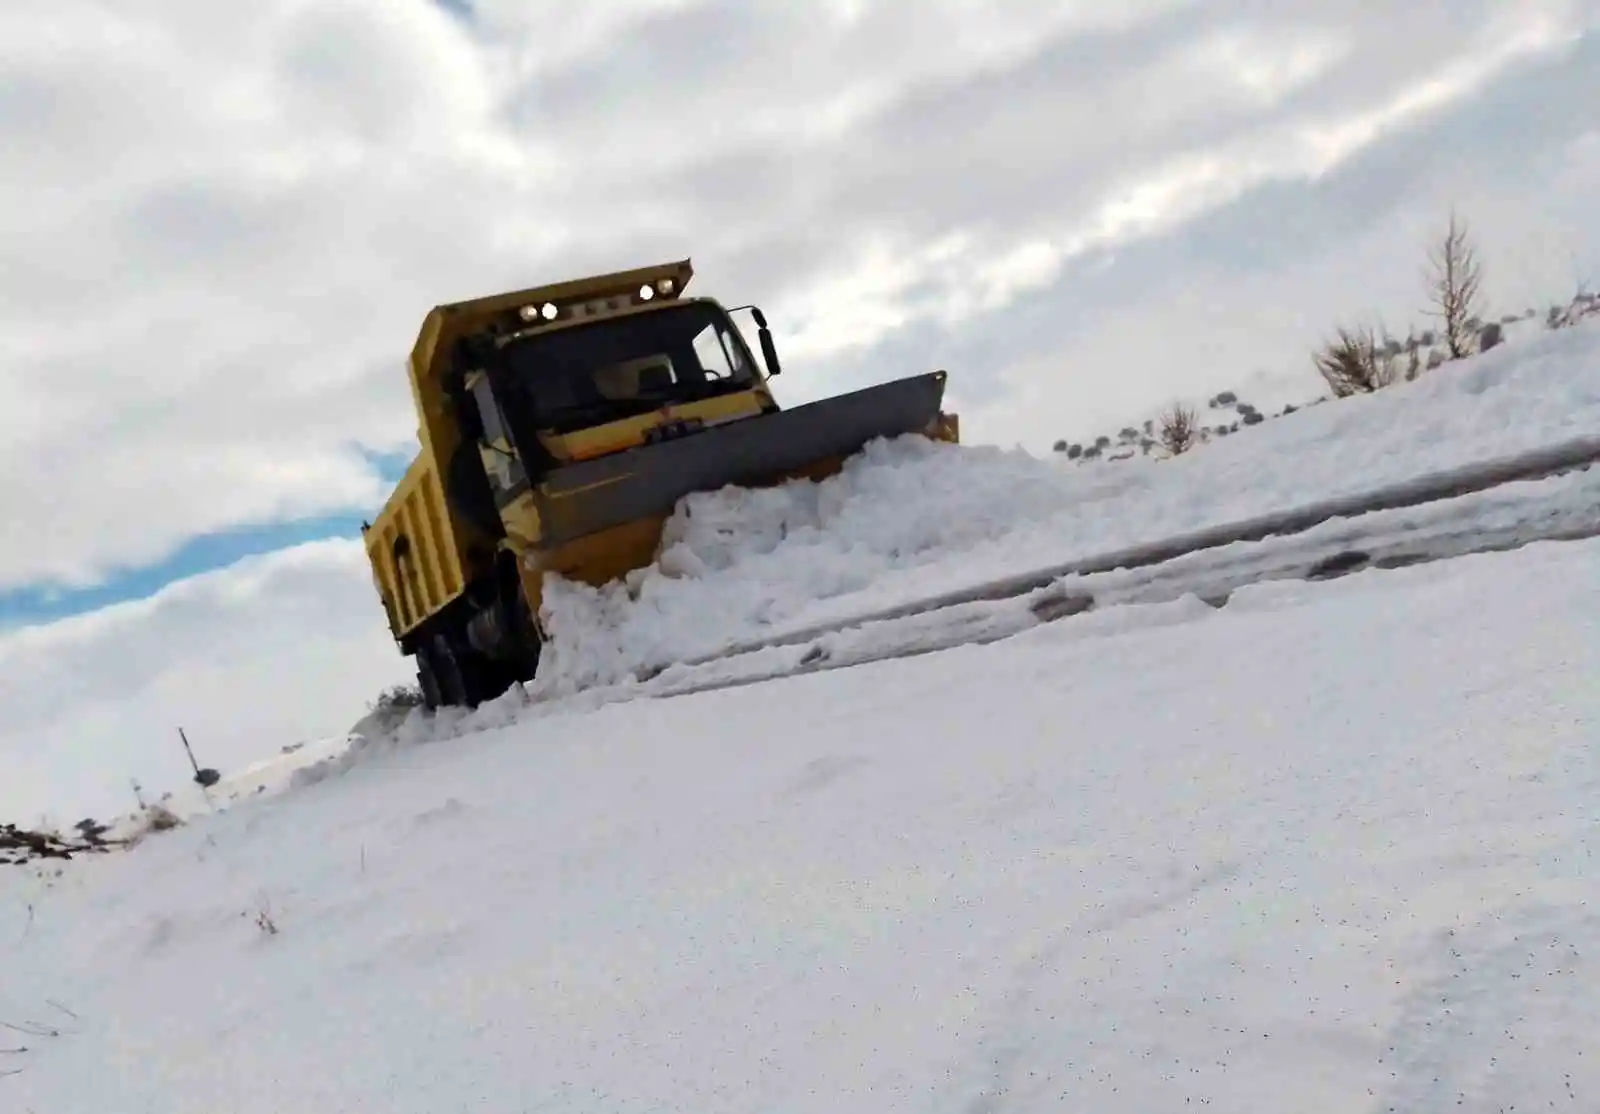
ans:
(648, 481)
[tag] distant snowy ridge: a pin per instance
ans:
(1264, 396)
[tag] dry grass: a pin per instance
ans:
(1355, 363)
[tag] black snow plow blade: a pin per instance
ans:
(648, 481)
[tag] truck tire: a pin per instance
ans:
(427, 681)
(455, 676)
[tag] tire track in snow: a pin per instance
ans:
(1412, 536)
(1433, 488)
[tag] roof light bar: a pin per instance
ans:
(631, 289)
(549, 311)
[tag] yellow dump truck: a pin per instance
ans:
(559, 428)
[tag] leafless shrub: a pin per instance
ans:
(150, 820)
(1354, 363)
(20, 846)
(1455, 279)
(159, 818)
(1180, 429)
(1583, 305)
(398, 698)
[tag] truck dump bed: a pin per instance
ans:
(416, 550)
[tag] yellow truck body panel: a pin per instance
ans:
(417, 550)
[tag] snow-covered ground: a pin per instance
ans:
(909, 519)
(267, 776)
(1329, 848)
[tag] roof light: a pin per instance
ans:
(548, 311)
(646, 293)
(665, 286)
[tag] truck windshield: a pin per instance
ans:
(588, 374)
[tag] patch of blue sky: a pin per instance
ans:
(32, 605)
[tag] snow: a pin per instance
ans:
(1327, 848)
(908, 519)
(268, 776)
(1560, 507)
(1238, 842)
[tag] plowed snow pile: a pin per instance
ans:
(907, 519)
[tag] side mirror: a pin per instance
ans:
(769, 350)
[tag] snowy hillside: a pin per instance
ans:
(908, 520)
(1263, 395)
(1335, 842)
(1327, 847)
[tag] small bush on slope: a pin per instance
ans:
(1355, 363)
(1179, 429)
(397, 699)
(1361, 360)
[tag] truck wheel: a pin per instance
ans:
(451, 677)
(426, 680)
(528, 634)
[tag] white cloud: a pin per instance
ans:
(222, 225)
(272, 651)
(1216, 324)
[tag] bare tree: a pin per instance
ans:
(1454, 280)
(1413, 353)
(1354, 363)
(1180, 429)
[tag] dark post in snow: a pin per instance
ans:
(205, 778)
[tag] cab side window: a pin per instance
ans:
(715, 354)
(489, 413)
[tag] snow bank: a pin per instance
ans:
(907, 519)
(738, 561)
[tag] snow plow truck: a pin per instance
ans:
(559, 428)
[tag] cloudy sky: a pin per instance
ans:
(221, 224)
